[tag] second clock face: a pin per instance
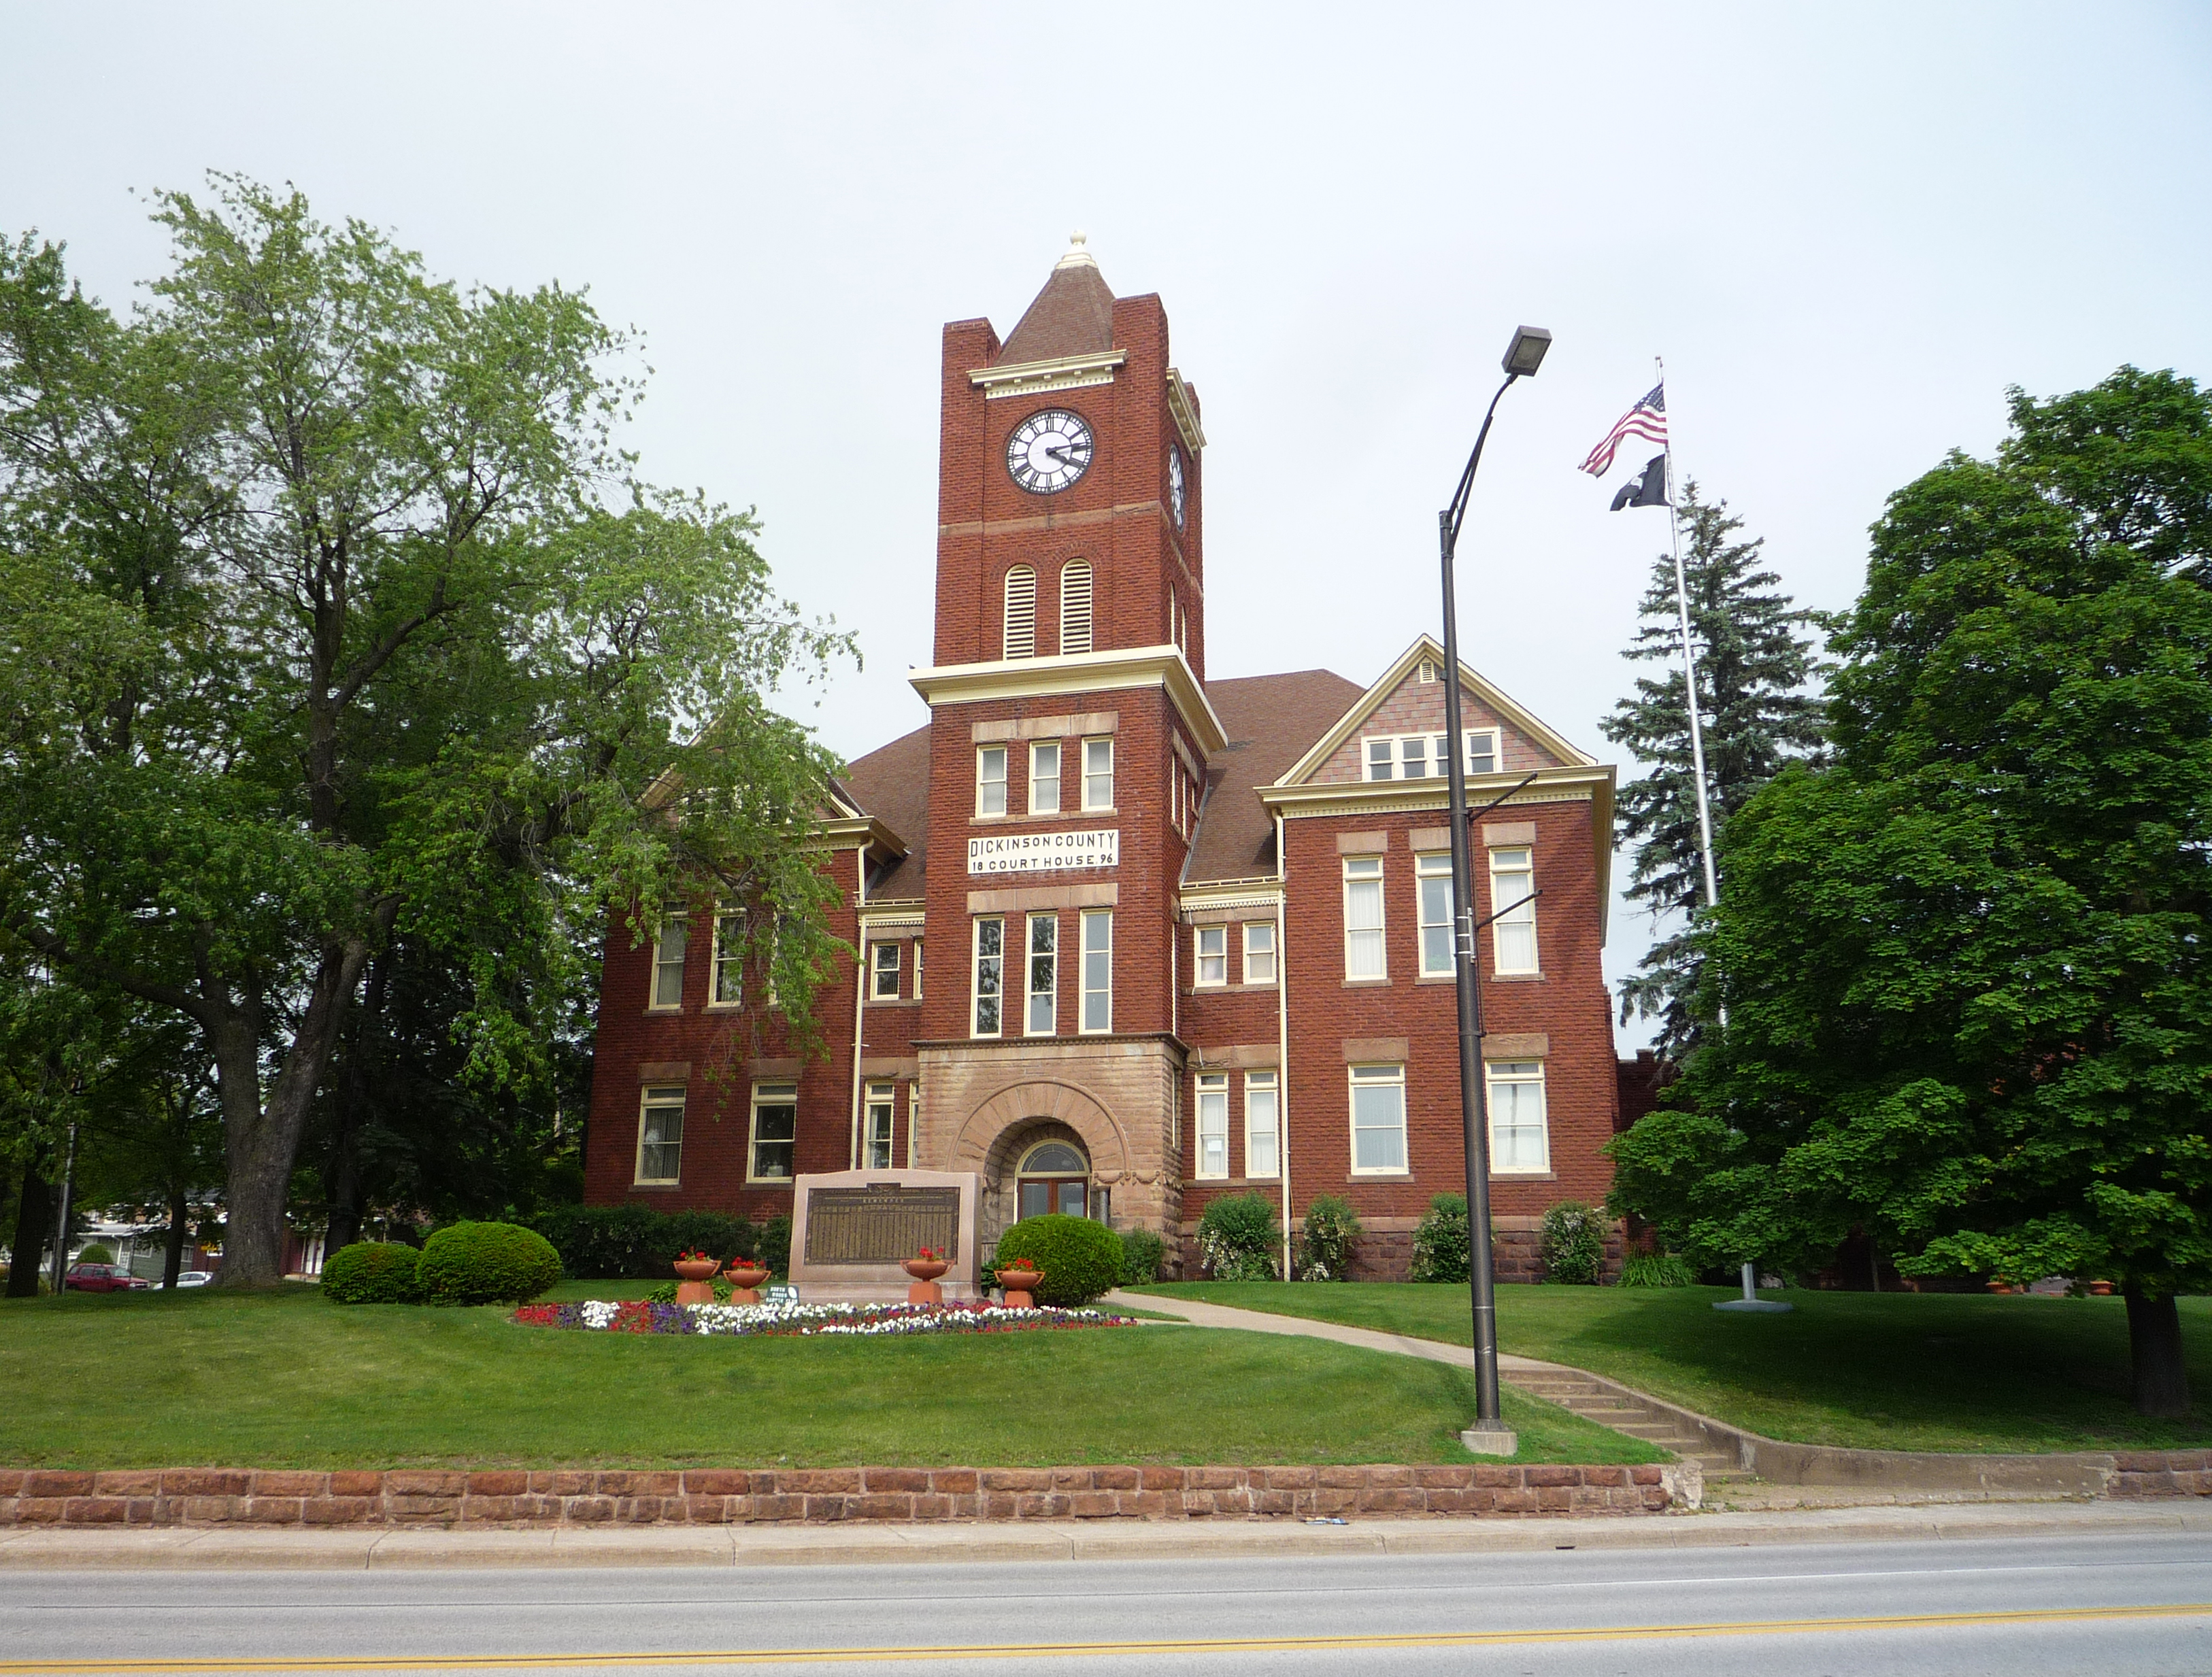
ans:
(1176, 490)
(1048, 451)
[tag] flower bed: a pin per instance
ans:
(786, 1318)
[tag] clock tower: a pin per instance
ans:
(1070, 737)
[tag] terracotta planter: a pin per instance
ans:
(2100, 1289)
(1997, 1286)
(1020, 1287)
(925, 1271)
(744, 1280)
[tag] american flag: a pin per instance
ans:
(1647, 418)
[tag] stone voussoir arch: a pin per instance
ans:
(1040, 1101)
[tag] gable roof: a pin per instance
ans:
(1269, 721)
(892, 784)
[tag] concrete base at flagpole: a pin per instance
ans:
(1764, 1306)
(1490, 1438)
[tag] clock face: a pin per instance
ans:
(1174, 483)
(1048, 451)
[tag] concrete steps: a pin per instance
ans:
(1622, 1413)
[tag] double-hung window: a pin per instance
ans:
(1098, 773)
(1519, 1138)
(1379, 1119)
(1097, 969)
(668, 950)
(729, 963)
(775, 1132)
(1432, 881)
(1258, 951)
(876, 1135)
(990, 975)
(886, 985)
(917, 969)
(1513, 906)
(1415, 757)
(1362, 918)
(1044, 975)
(660, 1135)
(991, 780)
(1044, 777)
(1262, 1125)
(1212, 954)
(1213, 1124)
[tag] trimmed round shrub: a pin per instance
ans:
(486, 1263)
(1239, 1238)
(1325, 1244)
(372, 1273)
(96, 1253)
(1142, 1253)
(1080, 1259)
(1574, 1243)
(1440, 1248)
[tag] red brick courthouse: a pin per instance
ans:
(1183, 937)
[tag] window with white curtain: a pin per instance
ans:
(668, 950)
(1432, 883)
(1212, 943)
(1262, 1125)
(1520, 1138)
(1362, 918)
(1258, 951)
(1098, 773)
(1512, 889)
(1378, 1118)
(1213, 1124)
(660, 1135)
(1044, 777)
(991, 781)
(1097, 969)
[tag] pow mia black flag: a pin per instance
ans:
(1646, 488)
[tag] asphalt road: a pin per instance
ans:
(2131, 1604)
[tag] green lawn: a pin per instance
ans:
(286, 1380)
(1936, 1371)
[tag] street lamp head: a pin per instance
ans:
(1526, 353)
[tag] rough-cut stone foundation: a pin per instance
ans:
(220, 1497)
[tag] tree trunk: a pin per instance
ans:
(2161, 1377)
(342, 1186)
(33, 1216)
(173, 1257)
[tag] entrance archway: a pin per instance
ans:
(1055, 1176)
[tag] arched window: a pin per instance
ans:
(1055, 1176)
(1075, 606)
(1021, 612)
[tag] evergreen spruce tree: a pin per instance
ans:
(1754, 664)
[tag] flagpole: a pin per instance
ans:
(1689, 664)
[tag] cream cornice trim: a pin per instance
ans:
(1426, 647)
(1078, 672)
(1038, 377)
(859, 832)
(1185, 411)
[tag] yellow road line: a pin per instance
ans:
(1042, 1649)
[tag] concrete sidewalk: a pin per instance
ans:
(1306, 1327)
(217, 1549)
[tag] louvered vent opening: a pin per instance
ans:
(1021, 612)
(1075, 606)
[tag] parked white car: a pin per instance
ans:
(194, 1278)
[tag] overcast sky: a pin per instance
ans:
(1847, 229)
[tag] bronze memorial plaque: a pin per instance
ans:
(881, 1224)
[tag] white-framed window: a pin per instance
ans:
(1416, 756)
(660, 1133)
(668, 950)
(1258, 951)
(990, 975)
(917, 969)
(1212, 1124)
(1044, 777)
(876, 1127)
(1212, 943)
(1042, 1018)
(991, 780)
(1520, 1137)
(1075, 606)
(1098, 773)
(1379, 1119)
(1362, 918)
(885, 986)
(1263, 1119)
(1097, 969)
(728, 965)
(775, 1133)
(1021, 613)
(1432, 886)
(1512, 889)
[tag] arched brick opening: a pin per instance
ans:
(1006, 1124)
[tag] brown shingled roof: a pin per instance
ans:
(1074, 315)
(892, 784)
(1271, 721)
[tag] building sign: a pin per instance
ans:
(881, 1224)
(1033, 852)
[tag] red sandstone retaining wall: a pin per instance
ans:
(215, 1496)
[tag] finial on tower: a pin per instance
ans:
(1077, 256)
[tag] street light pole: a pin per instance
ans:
(1488, 1436)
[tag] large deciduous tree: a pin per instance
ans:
(1754, 665)
(331, 614)
(1968, 967)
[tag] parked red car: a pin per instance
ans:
(101, 1278)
